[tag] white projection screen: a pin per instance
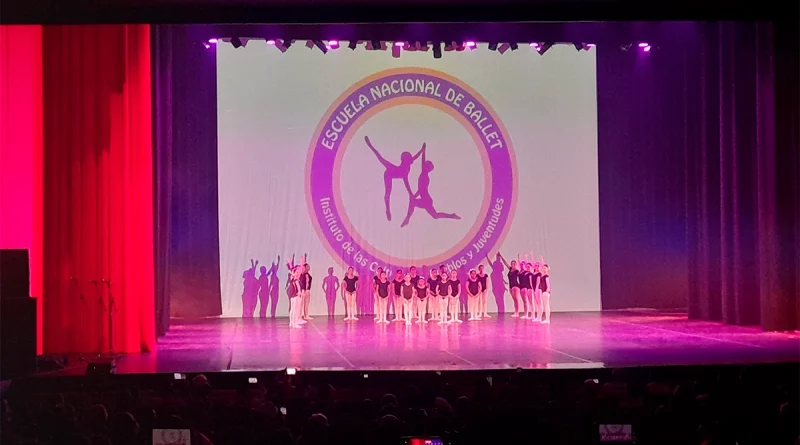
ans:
(509, 164)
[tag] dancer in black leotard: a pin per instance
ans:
(433, 292)
(513, 282)
(398, 301)
(483, 301)
(544, 286)
(407, 291)
(421, 300)
(383, 297)
(349, 292)
(538, 308)
(375, 280)
(526, 289)
(474, 291)
(305, 286)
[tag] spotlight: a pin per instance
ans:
(437, 50)
(535, 45)
(236, 42)
(320, 45)
(492, 46)
(291, 371)
(590, 45)
(270, 42)
(469, 44)
(513, 46)
(207, 45)
(213, 40)
(644, 45)
(543, 48)
(333, 44)
(353, 44)
(400, 44)
(646, 49)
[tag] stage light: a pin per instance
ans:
(270, 42)
(644, 45)
(318, 44)
(333, 44)
(535, 45)
(590, 45)
(400, 44)
(625, 47)
(396, 50)
(543, 47)
(437, 50)
(469, 44)
(213, 40)
(353, 44)
(236, 42)
(492, 46)
(291, 371)
(646, 49)
(513, 46)
(207, 45)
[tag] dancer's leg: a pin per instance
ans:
(412, 204)
(387, 195)
(455, 305)
(354, 307)
(407, 311)
(399, 315)
(525, 302)
(485, 303)
(515, 298)
(537, 304)
(546, 302)
(307, 304)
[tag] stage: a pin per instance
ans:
(573, 340)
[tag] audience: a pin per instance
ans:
(731, 406)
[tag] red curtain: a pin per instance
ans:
(21, 149)
(98, 193)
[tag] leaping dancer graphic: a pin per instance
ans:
(422, 198)
(394, 172)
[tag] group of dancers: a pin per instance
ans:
(437, 298)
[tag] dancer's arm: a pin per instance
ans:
(380, 158)
(420, 152)
(502, 258)
(290, 263)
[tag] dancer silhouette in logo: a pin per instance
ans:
(394, 172)
(422, 198)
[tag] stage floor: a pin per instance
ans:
(573, 340)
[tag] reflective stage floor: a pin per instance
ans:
(573, 340)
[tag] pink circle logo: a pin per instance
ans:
(388, 89)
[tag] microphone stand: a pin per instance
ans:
(102, 309)
(112, 307)
(82, 303)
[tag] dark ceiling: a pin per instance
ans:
(383, 11)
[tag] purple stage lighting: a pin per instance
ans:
(206, 45)
(333, 43)
(469, 44)
(534, 45)
(590, 45)
(646, 48)
(400, 44)
(270, 42)
(213, 40)
(644, 45)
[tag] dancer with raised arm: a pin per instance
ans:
(398, 300)
(483, 300)
(408, 291)
(383, 297)
(330, 287)
(421, 300)
(350, 290)
(544, 285)
(498, 283)
(249, 290)
(393, 172)
(422, 198)
(293, 292)
(473, 295)
(513, 282)
(526, 289)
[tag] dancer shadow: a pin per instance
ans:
(400, 171)
(330, 286)
(364, 295)
(274, 289)
(498, 282)
(422, 199)
(250, 287)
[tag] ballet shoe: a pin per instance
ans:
(458, 321)
(514, 315)
(546, 322)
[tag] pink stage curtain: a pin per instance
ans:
(98, 194)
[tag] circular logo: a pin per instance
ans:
(379, 92)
